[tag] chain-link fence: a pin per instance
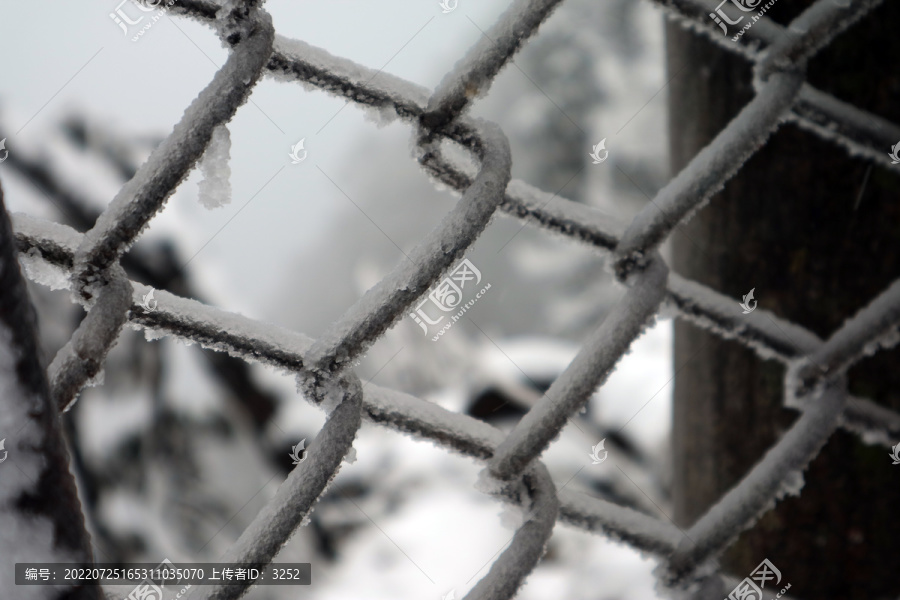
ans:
(814, 383)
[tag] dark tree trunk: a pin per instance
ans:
(795, 225)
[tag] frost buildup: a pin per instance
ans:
(215, 185)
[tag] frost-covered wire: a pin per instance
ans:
(873, 423)
(91, 258)
(811, 31)
(859, 132)
(293, 502)
(473, 74)
(873, 328)
(767, 334)
(708, 171)
(144, 195)
(384, 304)
(591, 366)
(509, 570)
(694, 16)
(645, 533)
(284, 349)
(297, 61)
(777, 474)
(81, 359)
(772, 337)
(536, 207)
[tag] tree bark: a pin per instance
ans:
(796, 225)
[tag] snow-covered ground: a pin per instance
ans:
(441, 534)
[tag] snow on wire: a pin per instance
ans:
(813, 386)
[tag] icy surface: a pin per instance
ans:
(215, 185)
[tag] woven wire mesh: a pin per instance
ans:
(814, 380)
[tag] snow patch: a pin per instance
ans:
(42, 272)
